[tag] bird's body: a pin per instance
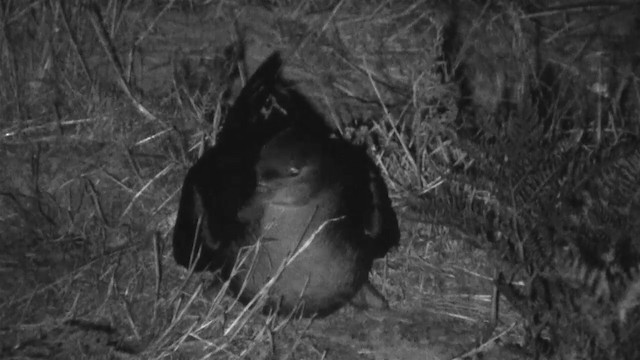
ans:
(287, 193)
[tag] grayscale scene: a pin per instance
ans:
(320, 179)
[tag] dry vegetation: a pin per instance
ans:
(508, 135)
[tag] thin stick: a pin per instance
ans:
(158, 272)
(109, 48)
(144, 34)
(137, 195)
(74, 42)
(391, 121)
(486, 345)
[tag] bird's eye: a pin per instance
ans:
(294, 171)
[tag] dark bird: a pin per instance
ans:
(281, 201)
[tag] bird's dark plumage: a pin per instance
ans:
(276, 178)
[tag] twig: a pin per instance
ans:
(74, 42)
(564, 9)
(137, 195)
(96, 201)
(391, 121)
(144, 34)
(109, 48)
(486, 345)
(311, 33)
(161, 339)
(11, 60)
(70, 276)
(158, 272)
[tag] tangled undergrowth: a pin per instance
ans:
(508, 134)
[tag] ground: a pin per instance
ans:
(90, 184)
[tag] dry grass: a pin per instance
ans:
(100, 123)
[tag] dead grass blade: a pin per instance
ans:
(105, 40)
